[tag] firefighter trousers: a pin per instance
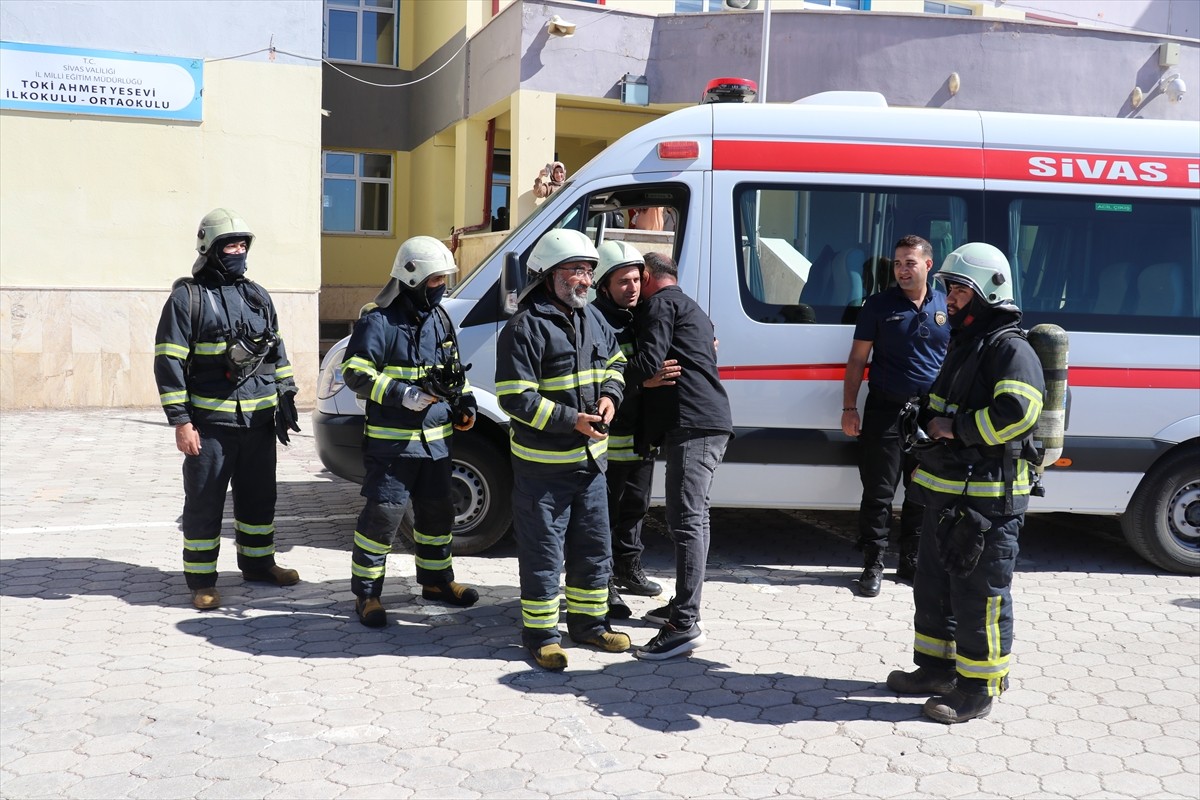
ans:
(966, 624)
(389, 486)
(562, 518)
(245, 459)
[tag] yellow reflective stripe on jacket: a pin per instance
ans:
(572, 381)
(983, 420)
(542, 415)
(572, 456)
(409, 434)
(379, 388)
(173, 398)
(504, 388)
(406, 373)
(620, 448)
(171, 349)
(937, 403)
(975, 488)
(230, 406)
(210, 348)
(284, 372)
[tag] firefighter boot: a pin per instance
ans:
(630, 578)
(957, 706)
(205, 599)
(454, 594)
(370, 612)
(922, 680)
(551, 657)
(274, 574)
(607, 641)
(617, 607)
(871, 579)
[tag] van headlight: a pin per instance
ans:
(331, 377)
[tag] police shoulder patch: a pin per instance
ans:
(940, 317)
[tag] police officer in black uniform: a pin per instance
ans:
(904, 331)
(226, 386)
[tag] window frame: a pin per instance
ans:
(362, 7)
(360, 181)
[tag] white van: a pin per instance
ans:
(784, 219)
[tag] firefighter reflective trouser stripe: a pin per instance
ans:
(562, 517)
(244, 457)
(389, 485)
(966, 624)
(377, 525)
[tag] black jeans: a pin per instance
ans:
(882, 465)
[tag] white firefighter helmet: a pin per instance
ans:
(221, 223)
(421, 258)
(982, 267)
(613, 255)
(559, 246)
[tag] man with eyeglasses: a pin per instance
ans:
(559, 379)
(904, 331)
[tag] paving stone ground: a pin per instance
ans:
(111, 685)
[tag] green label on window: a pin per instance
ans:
(1126, 207)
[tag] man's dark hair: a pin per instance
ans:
(659, 264)
(914, 242)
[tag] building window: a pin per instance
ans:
(696, 6)
(947, 8)
(501, 189)
(856, 5)
(356, 193)
(361, 31)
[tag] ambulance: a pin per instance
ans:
(783, 219)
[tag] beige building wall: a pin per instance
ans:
(99, 218)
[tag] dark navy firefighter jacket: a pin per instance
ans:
(391, 349)
(549, 367)
(195, 383)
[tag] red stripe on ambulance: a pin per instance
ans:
(955, 162)
(1097, 377)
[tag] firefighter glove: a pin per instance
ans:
(286, 417)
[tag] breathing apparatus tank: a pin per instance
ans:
(1050, 342)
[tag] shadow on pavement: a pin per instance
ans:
(676, 695)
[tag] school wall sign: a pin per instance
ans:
(68, 80)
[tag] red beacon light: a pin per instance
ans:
(729, 90)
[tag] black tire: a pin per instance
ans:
(481, 489)
(1162, 523)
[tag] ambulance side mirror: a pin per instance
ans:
(512, 280)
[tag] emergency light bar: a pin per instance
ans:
(729, 90)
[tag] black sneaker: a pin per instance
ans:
(659, 616)
(631, 579)
(670, 643)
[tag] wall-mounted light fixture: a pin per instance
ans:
(953, 84)
(635, 91)
(557, 26)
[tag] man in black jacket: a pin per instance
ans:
(692, 424)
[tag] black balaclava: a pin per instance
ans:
(426, 297)
(229, 266)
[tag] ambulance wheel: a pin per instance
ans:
(481, 491)
(1162, 522)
